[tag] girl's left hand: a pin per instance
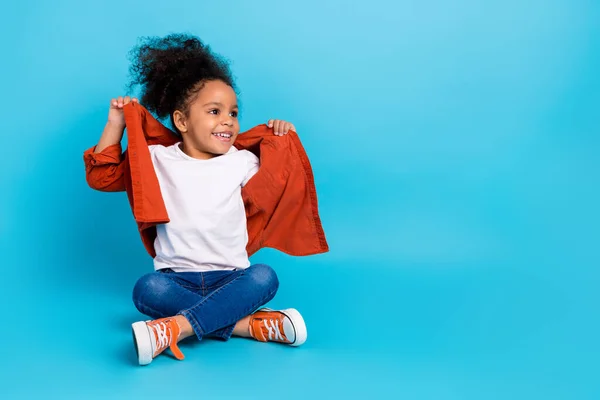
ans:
(280, 127)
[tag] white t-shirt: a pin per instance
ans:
(207, 229)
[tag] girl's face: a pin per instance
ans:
(212, 123)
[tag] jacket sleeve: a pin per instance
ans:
(281, 199)
(104, 171)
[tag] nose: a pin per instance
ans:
(227, 120)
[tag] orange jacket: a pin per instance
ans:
(280, 200)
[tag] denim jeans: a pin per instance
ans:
(211, 301)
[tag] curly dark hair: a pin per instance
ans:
(171, 70)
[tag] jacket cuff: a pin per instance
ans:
(110, 155)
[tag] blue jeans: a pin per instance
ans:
(211, 301)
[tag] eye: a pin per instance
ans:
(234, 114)
(214, 111)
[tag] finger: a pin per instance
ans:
(270, 123)
(283, 128)
(126, 100)
(276, 127)
(120, 101)
(113, 102)
(292, 127)
(286, 128)
(135, 100)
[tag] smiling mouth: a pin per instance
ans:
(223, 136)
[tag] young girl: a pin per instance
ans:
(203, 283)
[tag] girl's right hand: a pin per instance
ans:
(115, 113)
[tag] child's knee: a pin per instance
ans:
(149, 289)
(264, 278)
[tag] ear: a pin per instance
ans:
(180, 121)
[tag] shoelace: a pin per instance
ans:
(166, 333)
(162, 338)
(273, 329)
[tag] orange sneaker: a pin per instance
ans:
(283, 326)
(152, 337)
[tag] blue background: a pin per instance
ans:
(455, 149)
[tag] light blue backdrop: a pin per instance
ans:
(455, 149)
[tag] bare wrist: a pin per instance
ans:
(117, 126)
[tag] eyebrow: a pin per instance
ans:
(219, 104)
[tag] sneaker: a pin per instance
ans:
(283, 326)
(152, 337)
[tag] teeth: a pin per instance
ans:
(225, 135)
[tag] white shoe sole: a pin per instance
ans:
(297, 323)
(143, 342)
